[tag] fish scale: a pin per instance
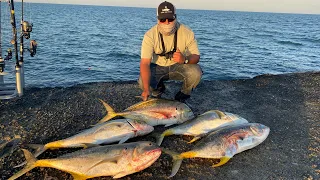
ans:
(119, 130)
(153, 111)
(111, 160)
(203, 124)
(223, 144)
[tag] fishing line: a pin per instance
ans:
(5, 34)
(30, 11)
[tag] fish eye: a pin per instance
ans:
(150, 144)
(177, 108)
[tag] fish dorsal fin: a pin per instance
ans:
(195, 139)
(220, 113)
(141, 104)
(102, 126)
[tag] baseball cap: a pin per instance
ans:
(166, 10)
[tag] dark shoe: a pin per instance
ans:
(181, 97)
(160, 89)
(156, 94)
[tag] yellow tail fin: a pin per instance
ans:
(165, 133)
(31, 163)
(39, 150)
(111, 114)
(177, 161)
(223, 160)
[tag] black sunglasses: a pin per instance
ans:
(164, 20)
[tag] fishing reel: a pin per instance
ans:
(33, 48)
(9, 55)
(26, 29)
(2, 65)
(2, 61)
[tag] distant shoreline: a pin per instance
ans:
(186, 9)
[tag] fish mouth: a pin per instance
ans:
(154, 151)
(155, 154)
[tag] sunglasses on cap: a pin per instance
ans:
(164, 20)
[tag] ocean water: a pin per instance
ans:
(80, 44)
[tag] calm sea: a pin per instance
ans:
(79, 44)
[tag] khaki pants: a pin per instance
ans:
(189, 74)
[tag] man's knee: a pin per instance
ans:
(195, 73)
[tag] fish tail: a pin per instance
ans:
(161, 137)
(31, 163)
(111, 113)
(40, 148)
(177, 161)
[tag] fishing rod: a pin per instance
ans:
(19, 67)
(26, 29)
(14, 31)
(2, 65)
(8, 56)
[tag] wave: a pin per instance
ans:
(290, 43)
(124, 55)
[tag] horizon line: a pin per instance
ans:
(275, 12)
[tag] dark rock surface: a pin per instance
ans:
(289, 104)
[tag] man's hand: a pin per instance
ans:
(145, 95)
(178, 57)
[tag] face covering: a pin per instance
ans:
(168, 29)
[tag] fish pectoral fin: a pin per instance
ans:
(156, 114)
(89, 145)
(78, 176)
(194, 139)
(114, 160)
(124, 139)
(223, 160)
(167, 125)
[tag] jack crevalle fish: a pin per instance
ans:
(203, 124)
(109, 132)
(154, 112)
(223, 144)
(110, 160)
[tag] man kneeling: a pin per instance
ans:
(169, 51)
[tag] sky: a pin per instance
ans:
(282, 6)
